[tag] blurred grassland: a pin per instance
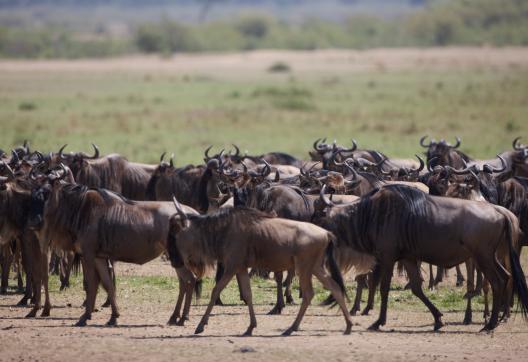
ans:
(142, 114)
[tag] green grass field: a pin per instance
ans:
(142, 114)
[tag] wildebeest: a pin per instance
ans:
(102, 225)
(401, 223)
(112, 172)
(242, 238)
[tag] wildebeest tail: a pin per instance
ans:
(76, 264)
(198, 288)
(335, 273)
(174, 255)
(519, 281)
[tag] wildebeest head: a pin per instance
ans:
(520, 158)
(75, 161)
(444, 154)
(327, 153)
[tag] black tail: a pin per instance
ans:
(198, 288)
(330, 300)
(519, 281)
(335, 273)
(76, 264)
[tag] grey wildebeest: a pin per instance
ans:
(101, 225)
(243, 238)
(401, 223)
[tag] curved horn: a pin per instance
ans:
(457, 144)
(171, 161)
(64, 171)
(267, 169)
(179, 209)
(237, 150)
(61, 156)
(515, 144)
(422, 142)
(206, 153)
(96, 151)
(324, 199)
(244, 167)
(14, 158)
(352, 149)
(490, 169)
(422, 164)
(10, 174)
(162, 156)
(429, 167)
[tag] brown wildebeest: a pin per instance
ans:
(401, 223)
(102, 225)
(243, 238)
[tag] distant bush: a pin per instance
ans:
(279, 67)
(439, 23)
(27, 106)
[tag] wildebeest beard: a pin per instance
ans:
(396, 210)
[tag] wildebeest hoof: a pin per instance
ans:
(459, 283)
(348, 329)
(288, 332)
(289, 300)
(181, 322)
(45, 312)
(106, 304)
(219, 302)
(112, 322)
(470, 295)
(374, 327)
(173, 321)
(365, 312)
(199, 329)
(32, 313)
(438, 324)
(248, 333)
(81, 323)
(23, 302)
(467, 320)
(275, 310)
(486, 329)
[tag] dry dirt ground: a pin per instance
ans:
(143, 335)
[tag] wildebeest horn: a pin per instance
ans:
(64, 171)
(352, 149)
(422, 164)
(171, 160)
(96, 151)
(61, 156)
(515, 144)
(319, 147)
(457, 143)
(490, 169)
(40, 156)
(244, 166)
(323, 197)
(221, 154)
(267, 169)
(206, 153)
(14, 158)
(10, 174)
(178, 207)
(237, 150)
(162, 156)
(422, 142)
(277, 176)
(429, 168)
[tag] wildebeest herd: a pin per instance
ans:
(346, 208)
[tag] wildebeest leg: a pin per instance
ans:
(103, 270)
(245, 288)
(287, 284)
(111, 268)
(182, 289)
(470, 270)
(386, 276)
(188, 297)
(279, 305)
(27, 264)
(18, 264)
(413, 271)
(439, 275)
(220, 285)
(497, 277)
(66, 267)
(460, 277)
(218, 276)
(431, 277)
(92, 283)
(7, 260)
(478, 283)
(338, 295)
(305, 284)
(45, 274)
(485, 289)
(361, 281)
(373, 280)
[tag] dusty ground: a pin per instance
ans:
(142, 334)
